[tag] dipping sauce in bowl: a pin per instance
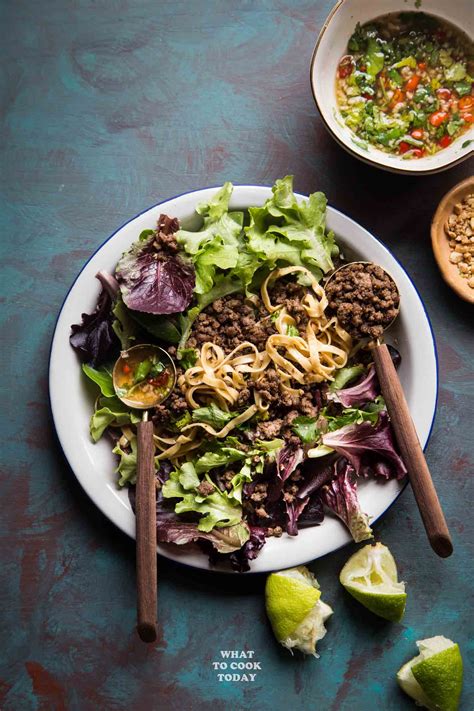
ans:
(144, 376)
(405, 84)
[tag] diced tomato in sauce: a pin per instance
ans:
(346, 66)
(412, 83)
(438, 118)
(445, 141)
(466, 103)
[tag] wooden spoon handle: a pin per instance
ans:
(412, 453)
(146, 534)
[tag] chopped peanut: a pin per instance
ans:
(459, 229)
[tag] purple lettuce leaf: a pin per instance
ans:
(366, 389)
(316, 472)
(239, 560)
(94, 339)
(224, 540)
(313, 512)
(355, 441)
(163, 473)
(109, 283)
(340, 496)
(287, 459)
(151, 283)
(363, 392)
(294, 509)
(170, 528)
(382, 469)
(375, 467)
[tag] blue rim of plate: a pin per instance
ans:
(238, 185)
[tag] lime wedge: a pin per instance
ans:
(434, 678)
(294, 608)
(370, 575)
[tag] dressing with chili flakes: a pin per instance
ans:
(141, 378)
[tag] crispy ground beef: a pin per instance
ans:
(285, 406)
(290, 294)
(259, 493)
(272, 391)
(229, 321)
(364, 298)
(277, 531)
(205, 488)
(165, 240)
(173, 407)
(233, 319)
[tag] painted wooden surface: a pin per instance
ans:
(108, 107)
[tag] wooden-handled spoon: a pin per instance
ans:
(412, 453)
(145, 511)
(409, 445)
(145, 495)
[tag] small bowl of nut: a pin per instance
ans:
(452, 237)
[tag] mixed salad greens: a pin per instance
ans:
(406, 84)
(236, 489)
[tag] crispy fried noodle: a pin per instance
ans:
(311, 357)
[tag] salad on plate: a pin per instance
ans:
(276, 411)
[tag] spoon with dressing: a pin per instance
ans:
(397, 407)
(143, 377)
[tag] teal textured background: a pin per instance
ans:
(106, 108)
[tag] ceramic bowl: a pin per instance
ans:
(72, 399)
(331, 46)
(440, 242)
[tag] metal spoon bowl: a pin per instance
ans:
(346, 267)
(140, 353)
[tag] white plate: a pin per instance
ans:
(94, 464)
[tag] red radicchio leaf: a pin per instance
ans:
(365, 391)
(153, 284)
(224, 540)
(239, 560)
(313, 512)
(294, 509)
(340, 496)
(353, 441)
(287, 459)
